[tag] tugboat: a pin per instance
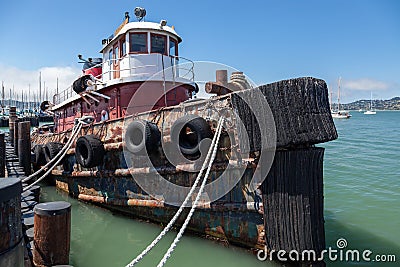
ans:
(137, 137)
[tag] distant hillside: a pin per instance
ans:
(390, 104)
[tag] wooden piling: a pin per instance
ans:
(293, 201)
(2, 155)
(11, 238)
(24, 146)
(16, 137)
(12, 117)
(52, 233)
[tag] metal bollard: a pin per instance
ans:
(52, 233)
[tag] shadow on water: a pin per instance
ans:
(358, 239)
(103, 238)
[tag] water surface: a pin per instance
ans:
(362, 200)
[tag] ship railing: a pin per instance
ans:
(172, 69)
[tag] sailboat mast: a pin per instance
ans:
(40, 86)
(338, 97)
(371, 102)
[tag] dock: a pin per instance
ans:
(28, 199)
(22, 212)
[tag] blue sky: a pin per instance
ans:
(268, 40)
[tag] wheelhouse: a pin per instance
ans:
(139, 51)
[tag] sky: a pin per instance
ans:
(357, 40)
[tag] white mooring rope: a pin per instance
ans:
(60, 157)
(52, 160)
(212, 148)
(203, 184)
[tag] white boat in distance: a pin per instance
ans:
(370, 111)
(339, 114)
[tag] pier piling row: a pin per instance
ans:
(2, 154)
(11, 238)
(12, 118)
(52, 233)
(23, 231)
(24, 146)
(15, 144)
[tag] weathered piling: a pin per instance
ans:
(2, 155)
(52, 233)
(293, 201)
(24, 146)
(16, 123)
(11, 119)
(11, 239)
(35, 192)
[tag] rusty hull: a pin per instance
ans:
(237, 216)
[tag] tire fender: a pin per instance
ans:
(188, 132)
(51, 149)
(89, 151)
(142, 136)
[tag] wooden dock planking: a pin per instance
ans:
(29, 199)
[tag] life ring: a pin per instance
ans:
(188, 132)
(89, 151)
(142, 136)
(51, 149)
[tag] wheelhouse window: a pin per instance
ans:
(173, 47)
(110, 55)
(116, 54)
(138, 43)
(158, 44)
(122, 45)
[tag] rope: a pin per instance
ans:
(67, 146)
(52, 160)
(177, 214)
(167, 255)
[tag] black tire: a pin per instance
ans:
(39, 158)
(80, 84)
(188, 132)
(51, 150)
(89, 151)
(44, 105)
(142, 136)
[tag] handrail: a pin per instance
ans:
(179, 70)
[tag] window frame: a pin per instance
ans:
(147, 43)
(165, 43)
(110, 55)
(122, 42)
(176, 46)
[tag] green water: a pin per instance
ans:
(362, 199)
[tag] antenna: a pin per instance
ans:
(140, 13)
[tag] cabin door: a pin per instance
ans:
(116, 60)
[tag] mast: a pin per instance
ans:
(2, 97)
(330, 100)
(338, 97)
(40, 86)
(371, 102)
(15, 98)
(23, 103)
(29, 96)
